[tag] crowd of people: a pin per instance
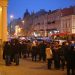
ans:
(51, 52)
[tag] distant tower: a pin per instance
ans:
(26, 14)
(3, 20)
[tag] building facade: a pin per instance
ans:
(44, 23)
(68, 24)
(57, 21)
(48, 23)
(3, 20)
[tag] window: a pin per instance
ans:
(73, 30)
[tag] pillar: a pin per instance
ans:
(0, 23)
(3, 24)
(3, 20)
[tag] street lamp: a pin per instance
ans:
(23, 21)
(11, 19)
(11, 16)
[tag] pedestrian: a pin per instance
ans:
(34, 51)
(7, 53)
(42, 48)
(56, 55)
(49, 56)
(62, 55)
(70, 60)
(15, 49)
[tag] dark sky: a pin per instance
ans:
(18, 7)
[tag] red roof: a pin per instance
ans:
(60, 34)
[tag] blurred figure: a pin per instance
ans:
(49, 56)
(62, 55)
(7, 52)
(70, 59)
(24, 49)
(34, 51)
(28, 48)
(56, 55)
(42, 48)
(15, 49)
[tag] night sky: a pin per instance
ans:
(18, 7)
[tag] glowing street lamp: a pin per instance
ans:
(11, 16)
(23, 21)
(11, 19)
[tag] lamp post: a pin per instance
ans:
(23, 33)
(11, 19)
(47, 27)
(23, 22)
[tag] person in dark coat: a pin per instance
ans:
(70, 60)
(62, 55)
(56, 55)
(34, 51)
(24, 49)
(20, 49)
(7, 53)
(42, 48)
(15, 49)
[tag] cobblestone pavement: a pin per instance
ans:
(28, 67)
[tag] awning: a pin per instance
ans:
(60, 34)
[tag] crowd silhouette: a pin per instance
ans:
(53, 53)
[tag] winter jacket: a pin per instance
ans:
(48, 53)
